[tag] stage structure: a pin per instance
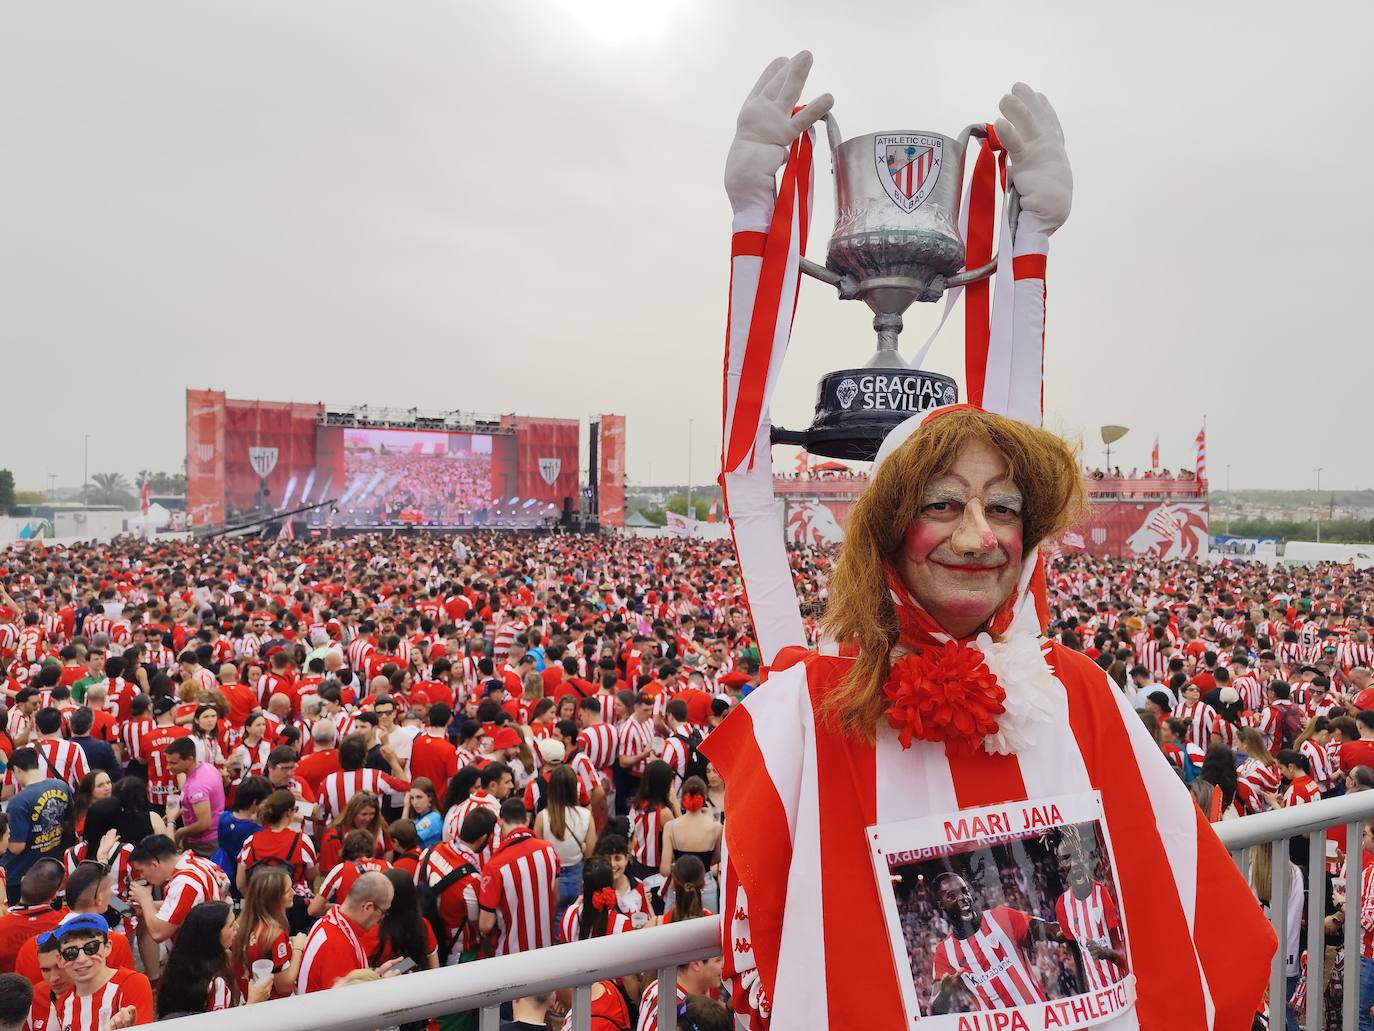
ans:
(387, 467)
(1157, 517)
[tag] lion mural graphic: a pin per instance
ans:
(1172, 530)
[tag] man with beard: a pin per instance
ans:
(988, 952)
(1087, 912)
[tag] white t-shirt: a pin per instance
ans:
(577, 820)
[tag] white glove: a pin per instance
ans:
(1036, 159)
(763, 133)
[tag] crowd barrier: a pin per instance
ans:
(485, 985)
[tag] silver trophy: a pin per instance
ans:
(896, 241)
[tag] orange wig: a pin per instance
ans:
(860, 611)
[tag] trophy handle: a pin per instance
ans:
(1013, 202)
(832, 134)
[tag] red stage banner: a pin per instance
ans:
(611, 475)
(547, 458)
(270, 446)
(205, 432)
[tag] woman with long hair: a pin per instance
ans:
(363, 812)
(460, 786)
(138, 819)
(404, 933)
(251, 752)
(133, 667)
(1258, 774)
(93, 787)
(686, 883)
(595, 913)
(652, 806)
(695, 833)
(205, 735)
(264, 932)
(422, 809)
(278, 845)
(533, 685)
(197, 977)
(542, 718)
(566, 709)
(1215, 786)
(568, 827)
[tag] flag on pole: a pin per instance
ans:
(288, 532)
(1202, 452)
(1154, 455)
(711, 514)
(1073, 539)
(803, 460)
(143, 498)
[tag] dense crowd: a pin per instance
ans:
(239, 770)
(400, 486)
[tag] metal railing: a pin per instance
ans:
(485, 985)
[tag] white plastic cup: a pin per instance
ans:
(262, 969)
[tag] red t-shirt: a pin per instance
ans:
(264, 945)
(435, 758)
(316, 766)
(1356, 753)
(21, 924)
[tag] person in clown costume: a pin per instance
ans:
(935, 700)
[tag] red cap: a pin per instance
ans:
(506, 737)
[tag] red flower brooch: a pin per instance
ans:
(944, 694)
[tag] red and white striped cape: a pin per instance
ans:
(798, 894)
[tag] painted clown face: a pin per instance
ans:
(961, 557)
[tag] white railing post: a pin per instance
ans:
(1279, 881)
(490, 1018)
(582, 1008)
(1354, 881)
(1316, 929)
(667, 997)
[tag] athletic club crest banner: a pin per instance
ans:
(263, 460)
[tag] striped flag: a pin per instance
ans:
(1073, 539)
(1154, 455)
(1202, 452)
(803, 462)
(143, 498)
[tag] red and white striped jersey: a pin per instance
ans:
(991, 960)
(159, 656)
(63, 759)
(648, 1008)
(453, 819)
(1202, 722)
(1350, 654)
(1092, 919)
(646, 834)
(1367, 907)
(93, 1012)
(1230, 732)
(131, 736)
(1289, 653)
(1300, 792)
(616, 922)
(96, 623)
(218, 996)
(1253, 781)
(30, 647)
(520, 886)
(1251, 691)
(337, 788)
(1153, 658)
(600, 744)
(196, 880)
(635, 737)
(677, 750)
(1319, 761)
(18, 725)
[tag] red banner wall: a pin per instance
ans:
(1135, 529)
(611, 475)
(282, 435)
(205, 431)
(546, 458)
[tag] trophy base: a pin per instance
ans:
(857, 408)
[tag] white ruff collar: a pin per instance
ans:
(1023, 670)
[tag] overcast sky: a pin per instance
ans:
(516, 207)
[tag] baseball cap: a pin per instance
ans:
(506, 737)
(88, 922)
(551, 751)
(163, 704)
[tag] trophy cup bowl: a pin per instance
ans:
(896, 241)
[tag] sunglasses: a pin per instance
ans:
(91, 948)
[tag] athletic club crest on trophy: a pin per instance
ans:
(896, 241)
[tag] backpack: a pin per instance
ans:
(696, 762)
(1291, 725)
(285, 862)
(430, 894)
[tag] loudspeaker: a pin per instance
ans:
(567, 521)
